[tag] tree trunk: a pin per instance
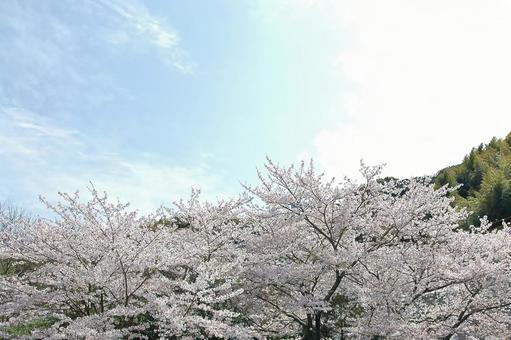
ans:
(308, 332)
(317, 330)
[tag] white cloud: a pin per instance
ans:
(427, 80)
(147, 185)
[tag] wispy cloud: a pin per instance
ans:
(18, 118)
(48, 158)
(159, 34)
(24, 134)
(59, 101)
(59, 55)
(46, 60)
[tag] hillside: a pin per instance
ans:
(484, 177)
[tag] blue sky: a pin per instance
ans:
(147, 99)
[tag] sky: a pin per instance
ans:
(146, 100)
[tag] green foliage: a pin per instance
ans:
(10, 266)
(484, 179)
(25, 329)
(343, 309)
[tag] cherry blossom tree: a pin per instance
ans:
(91, 266)
(102, 271)
(208, 268)
(457, 284)
(297, 255)
(373, 258)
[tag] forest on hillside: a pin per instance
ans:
(483, 180)
(295, 256)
